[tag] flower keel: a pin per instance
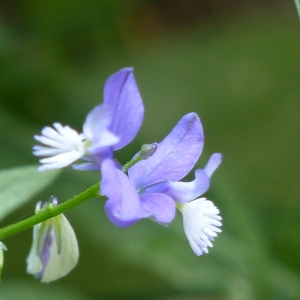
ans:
(200, 223)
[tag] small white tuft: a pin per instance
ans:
(200, 223)
(64, 145)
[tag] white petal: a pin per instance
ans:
(64, 146)
(200, 221)
(2, 246)
(34, 264)
(60, 264)
(97, 121)
(58, 161)
(106, 138)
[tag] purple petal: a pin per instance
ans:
(86, 167)
(155, 188)
(184, 192)
(160, 207)
(97, 121)
(175, 155)
(213, 164)
(123, 204)
(121, 94)
(45, 253)
(95, 129)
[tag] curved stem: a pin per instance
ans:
(131, 163)
(53, 211)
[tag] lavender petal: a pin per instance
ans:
(121, 94)
(123, 204)
(161, 207)
(184, 192)
(213, 163)
(175, 155)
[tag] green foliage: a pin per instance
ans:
(18, 185)
(241, 75)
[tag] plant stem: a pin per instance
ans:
(46, 214)
(53, 211)
(131, 163)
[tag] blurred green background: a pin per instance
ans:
(237, 65)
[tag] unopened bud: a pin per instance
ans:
(54, 251)
(2, 247)
(148, 150)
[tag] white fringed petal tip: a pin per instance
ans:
(200, 223)
(63, 146)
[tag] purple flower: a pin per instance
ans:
(153, 186)
(108, 127)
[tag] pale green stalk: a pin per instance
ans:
(52, 211)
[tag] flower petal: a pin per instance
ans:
(61, 263)
(97, 120)
(86, 167)
(34, 264)
(59, 161)
(183, 192)
(123, 205)
(65, 147)
(160, 207)
(200, 221)
(95, 128)
(175, 155)
(107, 139)
(121, 94)
(2, 246)
(50, 264)
(213, 163)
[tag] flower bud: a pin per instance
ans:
(54, 251)
(2, 247)
(148, 150)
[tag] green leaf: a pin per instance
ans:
(19, 185)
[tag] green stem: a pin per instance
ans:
(53, 211)
(46, 214)
(132, 162)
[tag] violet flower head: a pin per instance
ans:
(159, 175)
(108, 127)
(153, 188)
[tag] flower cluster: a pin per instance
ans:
(151, 186)
(108, 127)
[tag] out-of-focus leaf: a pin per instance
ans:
(18, 185)
(34, 290)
